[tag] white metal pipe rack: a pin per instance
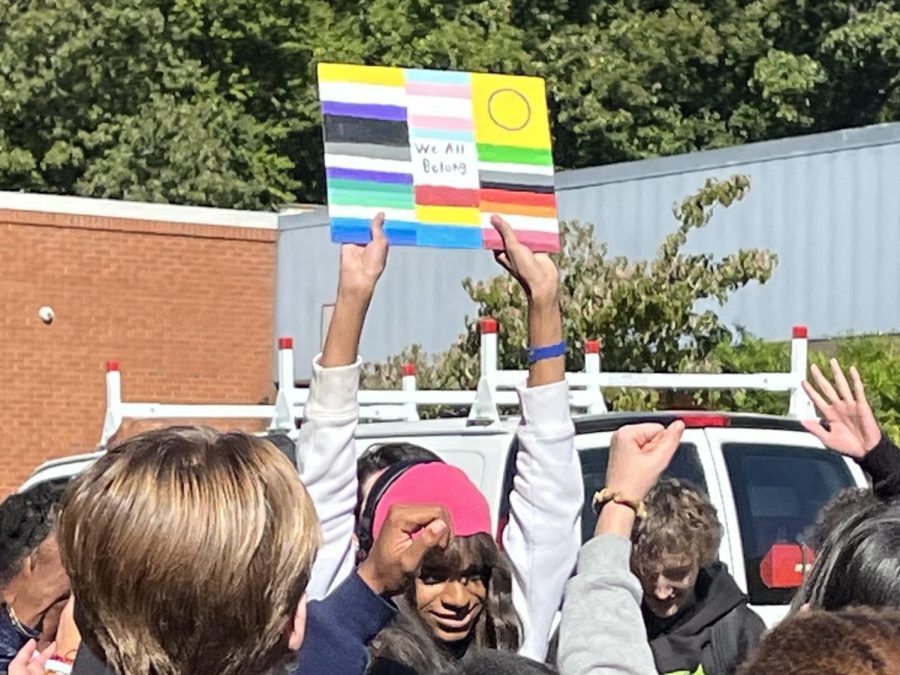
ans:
(495, 388)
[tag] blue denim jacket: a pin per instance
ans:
(11, 639)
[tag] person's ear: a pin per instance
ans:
(298, 627)
(29, 564)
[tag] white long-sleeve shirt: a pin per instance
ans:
(326, 458)
(542, 537)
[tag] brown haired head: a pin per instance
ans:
(862, 641)
(680, 522)
(189, 551)
(679, 535)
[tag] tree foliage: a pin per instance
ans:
(214, 101)
(651, 316)
(876, 356)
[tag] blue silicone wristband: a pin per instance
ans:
(536, 354)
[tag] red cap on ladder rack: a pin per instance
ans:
(592, 346)
(488, 325)
(800, 332)
(112, 366)
(285, 343)
(409, 369)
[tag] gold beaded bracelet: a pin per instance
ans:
(606, 495)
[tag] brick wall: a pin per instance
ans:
(187, 309)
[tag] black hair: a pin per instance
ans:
(842, 506)
(382, 455)
(858, 562)
(494, 662)
(26, 520)
(365, 519)
(284, 443)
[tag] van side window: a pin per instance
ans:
(778, 492)
(685, 466)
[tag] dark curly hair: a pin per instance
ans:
(410, 642)
(26, 520)
(859, 640)
(680, 520)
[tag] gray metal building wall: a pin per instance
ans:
(419, 300)
(827, 204)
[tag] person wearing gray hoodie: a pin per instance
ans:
(602, 629)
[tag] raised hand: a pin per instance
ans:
(534, 271)
(409, 532)
(539, 279)
(852, 428)
(361, 266)
(638, 455)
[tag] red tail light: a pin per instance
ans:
(785, 565)
(699, 421)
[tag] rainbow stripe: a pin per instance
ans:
(439, 152)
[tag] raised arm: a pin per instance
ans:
(542, 537)
(851, 428)
(325, 450)
(602, 630)
(539, 278)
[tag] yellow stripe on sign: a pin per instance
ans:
(346, 72)
(448, 215)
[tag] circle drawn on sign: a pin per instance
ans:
(509, 109)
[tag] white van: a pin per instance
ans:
(767, 476)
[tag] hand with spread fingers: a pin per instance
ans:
(851, 426)
(534, 271)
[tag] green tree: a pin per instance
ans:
(645, 313)
(877, 357)
(82, 85)
(119, 100)
(203, 150)
(642, 79)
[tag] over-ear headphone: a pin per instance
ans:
(364, 525)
